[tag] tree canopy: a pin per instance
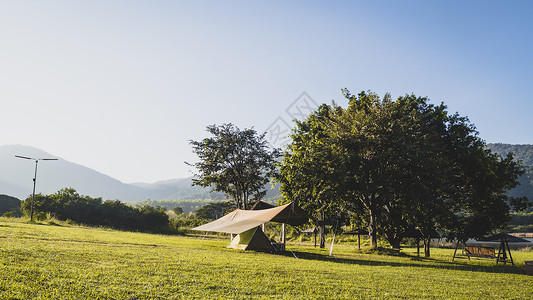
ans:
(404, 168)
(236, 162)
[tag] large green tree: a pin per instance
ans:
(236, 162)
(408, 167)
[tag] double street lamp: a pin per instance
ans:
(34, 178)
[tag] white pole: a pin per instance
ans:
(283, 235)
(333, 240)
(331, 248)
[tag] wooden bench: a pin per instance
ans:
(504, 254)
(477, 251)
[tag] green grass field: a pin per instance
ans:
(43, 261)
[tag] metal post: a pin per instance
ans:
(33, 194)
(34, 178)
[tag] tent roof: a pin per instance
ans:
(500, 237)
(261, 205)
(239, 220)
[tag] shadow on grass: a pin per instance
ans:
(415, 262)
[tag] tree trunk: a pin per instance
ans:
(372, 234)
(395, 243)
(321, 230)
(427, 242)
(393, 236)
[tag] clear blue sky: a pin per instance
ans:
(121, 86)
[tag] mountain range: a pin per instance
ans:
(16, 179)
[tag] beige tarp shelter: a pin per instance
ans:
(246, 223)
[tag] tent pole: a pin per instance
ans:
(333, 240)
(283, 235)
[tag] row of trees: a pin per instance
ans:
(67, 204)
(401, 168)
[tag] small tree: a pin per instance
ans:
(236, 162)
(177, 210)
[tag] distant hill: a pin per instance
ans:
(525, 154)
(16, 179)
(178, 189)
(520, 152)
(9, 204)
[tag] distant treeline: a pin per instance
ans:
(521, 222)
(147, 216)
(68, 205)
(187, 205)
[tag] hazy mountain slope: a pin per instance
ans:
(179, 189)
(520, 152)
(16, 177)
(182, 189)
(9, 204)
(525, 154)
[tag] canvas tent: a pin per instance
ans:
(253, 239)
(246, 224)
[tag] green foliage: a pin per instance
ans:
(71, 262)
(188, 205)
(67, 204)
(522, 219)
(10, 206)
(310, 171)
(214, 211)
(235, 162)
(177, 210)
(8, 214)
(180, 225)
(406, 168)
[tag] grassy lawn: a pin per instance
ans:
(43, 261)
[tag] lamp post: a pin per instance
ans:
(34, 178)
